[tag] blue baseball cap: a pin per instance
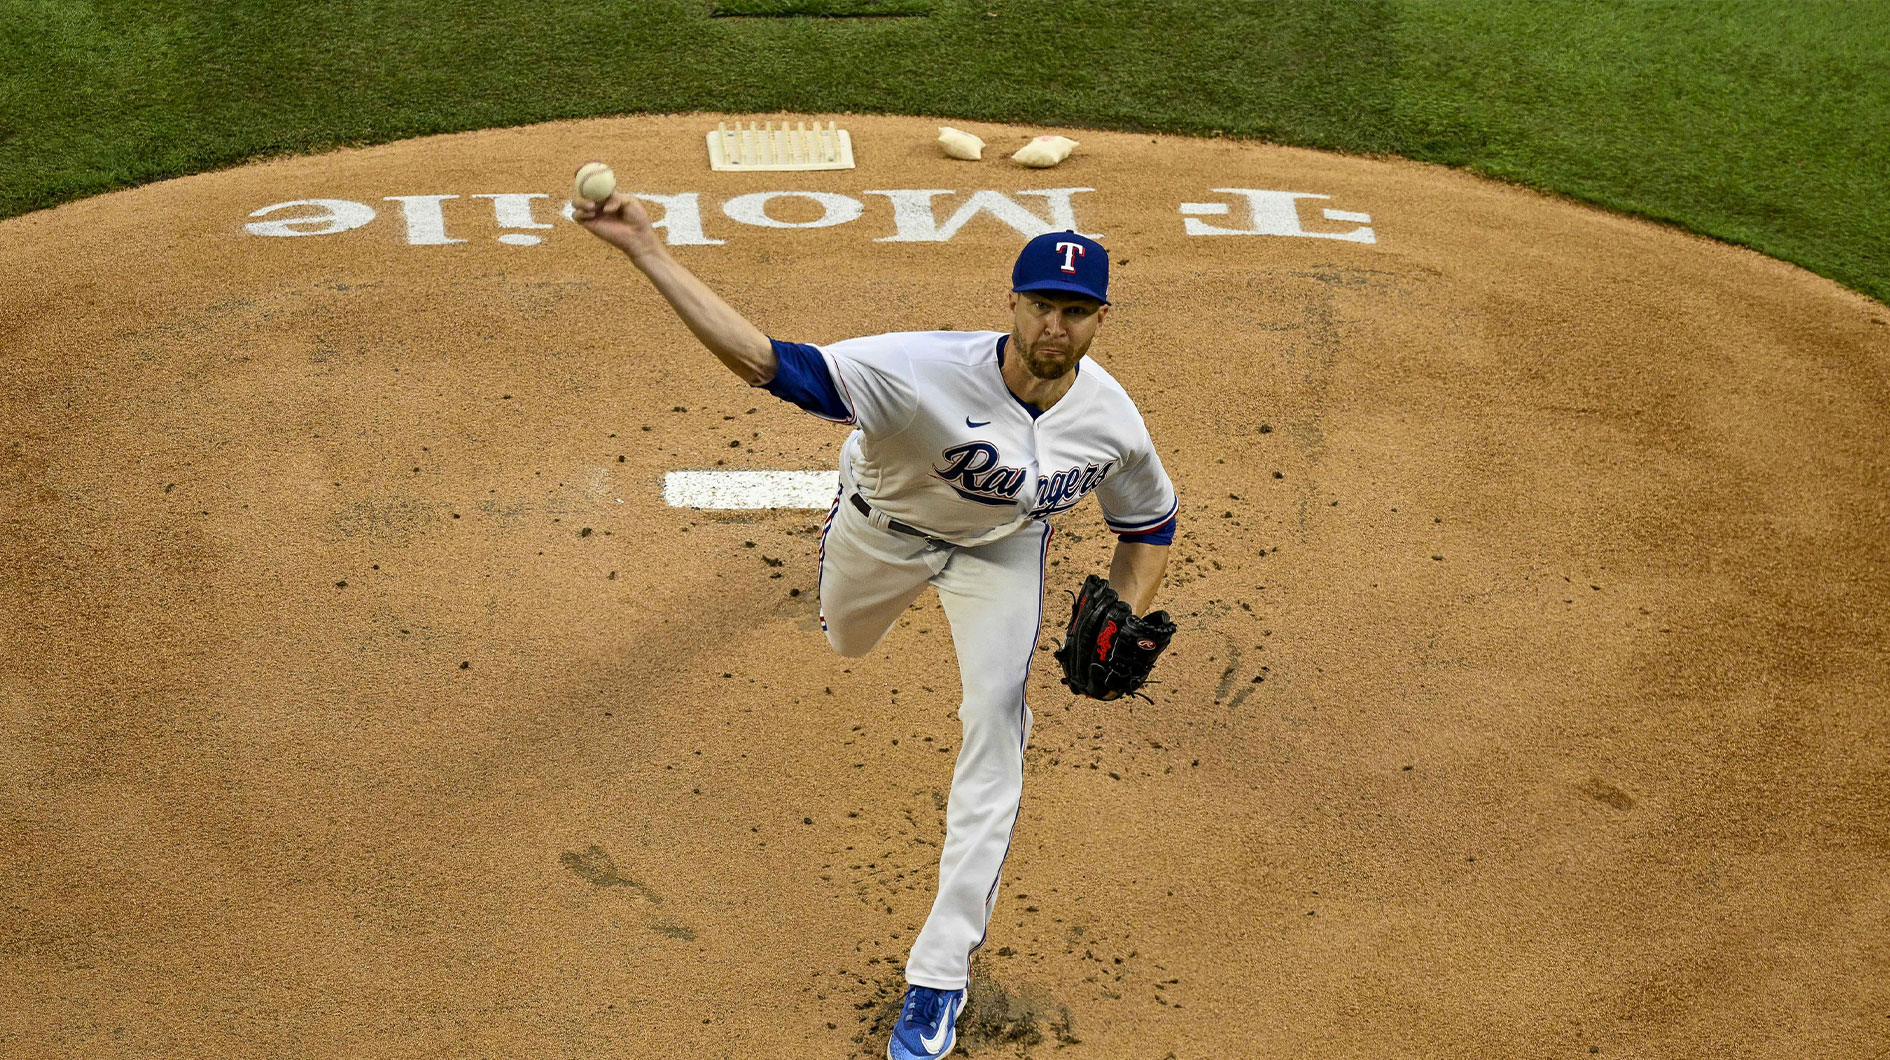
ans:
(1063, 261)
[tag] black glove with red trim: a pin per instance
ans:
(1107, 651)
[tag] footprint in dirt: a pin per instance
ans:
(1603, 792)
(596, 868)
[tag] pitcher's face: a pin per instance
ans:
(1051, 331)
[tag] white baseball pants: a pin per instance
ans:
(993, 598)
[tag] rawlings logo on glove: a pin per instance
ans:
(1107, 651)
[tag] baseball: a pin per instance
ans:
(594, 182)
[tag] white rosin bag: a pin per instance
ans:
(960, 144)
(1044, 151)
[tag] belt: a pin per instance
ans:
(892, 524)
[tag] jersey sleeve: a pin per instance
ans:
(1139, 502)
(865, 382)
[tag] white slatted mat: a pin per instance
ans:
(760, 147)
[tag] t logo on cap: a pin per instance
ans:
(1063, 261)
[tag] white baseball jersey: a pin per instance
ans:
(944, 446)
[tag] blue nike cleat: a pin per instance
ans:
(928, 1024)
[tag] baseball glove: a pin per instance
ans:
(1107, 651)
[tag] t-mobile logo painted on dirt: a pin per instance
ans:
(1273, 213)
(430, 219)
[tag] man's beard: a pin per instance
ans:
(1049, 364)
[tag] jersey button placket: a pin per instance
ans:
(1033, 469)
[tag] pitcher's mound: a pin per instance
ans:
(362, 696)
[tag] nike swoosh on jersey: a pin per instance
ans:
(944, 1027)
(968, 423)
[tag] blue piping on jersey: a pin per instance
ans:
(1160, 533)
(820, 565)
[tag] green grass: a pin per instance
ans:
(821, 8)
(1759, 122)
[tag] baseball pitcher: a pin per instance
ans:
(965, 444)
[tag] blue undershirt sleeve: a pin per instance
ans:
(801, 377)
(1161, 535)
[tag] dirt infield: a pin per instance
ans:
(362, 697)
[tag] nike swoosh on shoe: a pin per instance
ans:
(944, 1028)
